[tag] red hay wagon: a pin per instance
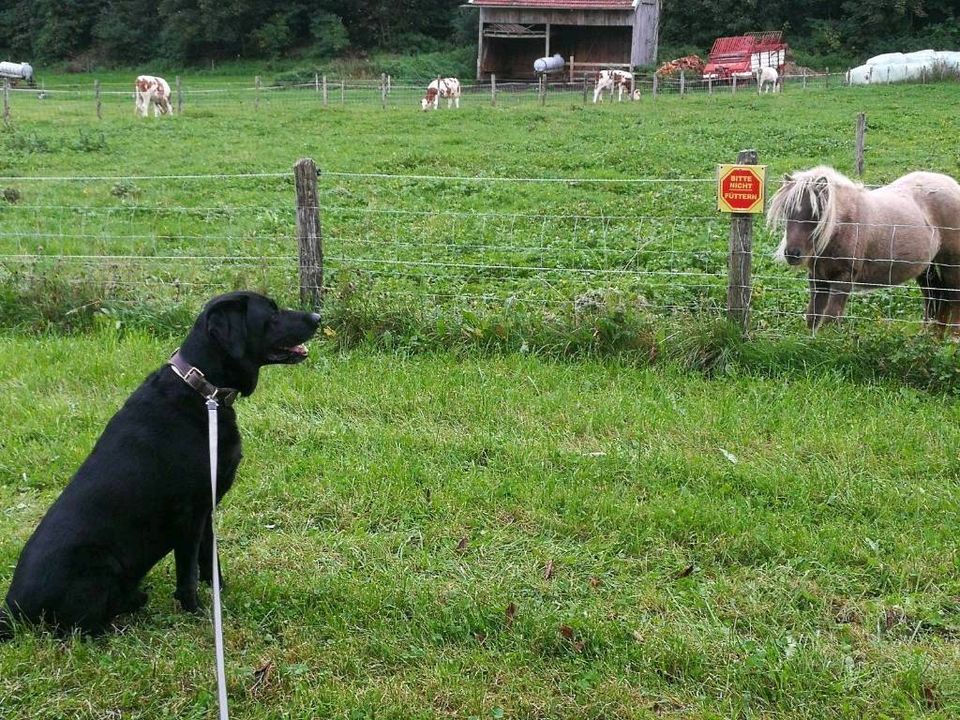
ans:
(740, 56)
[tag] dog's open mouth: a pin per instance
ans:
(288, 355)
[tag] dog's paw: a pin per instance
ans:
(188, 600)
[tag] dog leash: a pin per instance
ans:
(212, 406)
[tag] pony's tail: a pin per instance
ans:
(933, 294)
(6, 624)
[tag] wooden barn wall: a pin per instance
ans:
(646, 31)
(521, 16)
(513, 58)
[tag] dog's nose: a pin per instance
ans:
(315, 317)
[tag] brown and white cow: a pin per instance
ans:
(151, 90)
(619, 80)
(448, 88)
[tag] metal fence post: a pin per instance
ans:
(739, 283)
(309, 234)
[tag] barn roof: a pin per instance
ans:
(559, 4)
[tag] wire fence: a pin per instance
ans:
(320, 91)
(434, 243)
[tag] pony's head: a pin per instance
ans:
(807, 206)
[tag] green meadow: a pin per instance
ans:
(527, 471)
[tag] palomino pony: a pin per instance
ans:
(851, 239)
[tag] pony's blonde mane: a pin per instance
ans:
(822, 186)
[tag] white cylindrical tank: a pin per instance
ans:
(18, 71)
(548, 64)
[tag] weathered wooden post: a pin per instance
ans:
(493, 89)
(316, 83)
(683, 83)
(733, 86)
(709, 86)
(584, 89)
(572, 57)
(383, 90)
(632, 84)
(861, 141)
(804, 78)
(179, 97)
(656, 82)
(309, 234)
(543, 88)
(739, 283)
(6, 101)
(256, 100)
(325, 91)
(826, 80)
(96, 95)
(343, 91)
(389, 83)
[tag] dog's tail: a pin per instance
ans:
(6, 624)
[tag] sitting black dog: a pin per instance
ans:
(145, 488)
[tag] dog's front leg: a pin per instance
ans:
(206, 556)
(186, 557)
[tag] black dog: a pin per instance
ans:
(145, 488)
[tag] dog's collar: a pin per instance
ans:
(196, 379)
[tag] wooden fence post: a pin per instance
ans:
(656, 82)
(179, 97)
(389, 83)
(683, 83)
(827, 79)
(383, 90)
(493, 89)
(543, 88)
(343, 93)
(739, 284)
(316, 83)
(710, 86)
(96, 95)
(733, 86)
(572, 57)
(6, 101)
(325, 91)
(309, 234)
(584, 89)
(804, 78)
(861, 140)
(256, 100)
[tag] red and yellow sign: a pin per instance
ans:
(740, 188)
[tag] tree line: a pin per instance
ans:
(196, 31)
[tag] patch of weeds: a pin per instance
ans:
(28, 143)
(89, 142)
(125, 189)
(11, 195)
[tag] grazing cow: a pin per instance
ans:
(619, 80)
(154, 91)
(767, 76)
(448, 88)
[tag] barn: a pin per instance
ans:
(595, 33)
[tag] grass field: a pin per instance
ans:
(753, 547)
(441, 514)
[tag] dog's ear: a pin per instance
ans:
(227, 324)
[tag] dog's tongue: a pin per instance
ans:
(298, 350)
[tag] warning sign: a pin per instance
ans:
(740, 188)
